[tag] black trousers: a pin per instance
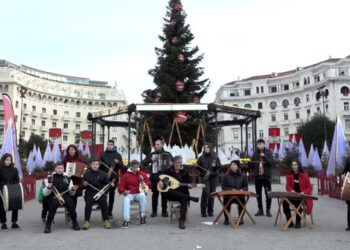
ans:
(207, 203)
(155, 195)
(287, 209)
(54, 204)
(240, 208)
(174, 195)
(45, 205)
(111, 195)
(259, 184)
(3, 214)
(89, 202)
(348, 202)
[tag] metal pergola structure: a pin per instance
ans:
(100, 117)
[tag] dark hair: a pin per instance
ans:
(93, 160)
(177, 157)
(261, 141)
(212, 153)
(76, 155)
(238, 163)
(134, 162)
(110, 141)
(3, 158)
(159, 139)
(300, 168)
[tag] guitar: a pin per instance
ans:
(170, 182)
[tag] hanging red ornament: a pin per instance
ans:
(172, 22)
(158, 96)
(178, 6)
(174, 39)
(181, 117)
(181, 57)
(196, 98)
(180, 86)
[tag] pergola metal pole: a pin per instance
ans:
(129, 139)
(246, 138)
(103, 136)
(141, 136)
(241, 125)
(93, 142)
(108, 133)
(255, 132)
(216, 134)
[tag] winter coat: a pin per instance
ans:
(76, 180)
(98, 179)
(305, 187)
(182, 177)
(108, 158)
(61, 182)
(234, 181)
(8, 176)
(268, 164)
(164, 154)
(131, 182)
(205, 161)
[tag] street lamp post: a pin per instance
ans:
(22, 92)
(322, 93)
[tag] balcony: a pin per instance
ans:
(78, 119)
(45, 129)
(77, 131)
(65, 131)
(44, 116)
(296, 121)
(33, 127)
(26, 112)
(25, 126)
(66, 118)
(54, 117)
(34, 114)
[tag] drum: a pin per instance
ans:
(75, 169)
(345, 191)
(13, 197)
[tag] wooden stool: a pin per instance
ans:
(135, 208)
(174, 209)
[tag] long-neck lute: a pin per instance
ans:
(170, 182)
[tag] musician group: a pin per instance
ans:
(167, 177)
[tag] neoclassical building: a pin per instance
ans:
(56, 101)
(286, 99)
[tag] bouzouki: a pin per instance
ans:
(170, 182)
(143, 187)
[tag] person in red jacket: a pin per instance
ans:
(73, 156)
(297, 181)
(129, 186)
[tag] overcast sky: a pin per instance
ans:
(114, 40)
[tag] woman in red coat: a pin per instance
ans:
(73, 156)
(297, 181)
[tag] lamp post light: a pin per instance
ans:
(22, 92)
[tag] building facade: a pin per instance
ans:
(56, 101)
(288, 98)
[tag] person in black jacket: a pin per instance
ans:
(159, 161)
(208, 161)
(180, 194)
(346, 170)
(262, 163)
(93, 181)
(234, 180)
(110, 158)
(62, 183)
(8, 176)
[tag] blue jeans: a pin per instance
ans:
(140, 197)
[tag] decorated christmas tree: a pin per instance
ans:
(177, 78)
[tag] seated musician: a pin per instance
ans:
(8, 175)
(129, 186)
(346, 170)
(180, 194)
(297, 181)
(93, 181)
(234, 180)
(63, 184)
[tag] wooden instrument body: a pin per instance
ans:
(143, 187)
(345, 191)
(233, 192)
(76, 169)
(13, 197)
(291, 195)
(170, 182)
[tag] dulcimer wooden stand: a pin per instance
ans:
(234, 195)
(288, 196)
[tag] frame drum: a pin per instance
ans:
(345, 191)
(13, 197)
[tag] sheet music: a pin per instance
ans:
(70, 168)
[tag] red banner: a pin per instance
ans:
(55, 132)
(8, 113)
(86, 134)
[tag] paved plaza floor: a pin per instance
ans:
(328, 231)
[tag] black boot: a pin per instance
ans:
(47, 228)
(75, 226)
(182, 224)
(194, 199)
(268, 213)
(260, 212)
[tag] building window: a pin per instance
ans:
(296, 85)
(273, 117)
(90, 95)
(25, 106)
(102, 95)
(346, 105)
(262, 89)
(16, 118)
(2, 117)
(248, 105)
(76, 93)
(54, 112)
(273, 89)
(247, 92)
(24, 120)
(285, 117)
(285, 103)
(235, 134)
(286, 87)
(296, 101)
(260, 105)
(344, 91)
(65, 125)
(307, 97)
(65, 138)
(90, 104)
(17, 104)
(326, 107)
(257, 90)
(261, 133)
(54, 124)
(347, 124)
(23, 133)
(34, 108)
(232, 93)
(297, 115)
(44, 110)
(42, 136)
(286, 131)
(66, 113)
(78, 114)
(33, 121)
(90, 127)
(43, 123)
(77, 126)
(273, 105)
(308, 113)
(318, 110)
